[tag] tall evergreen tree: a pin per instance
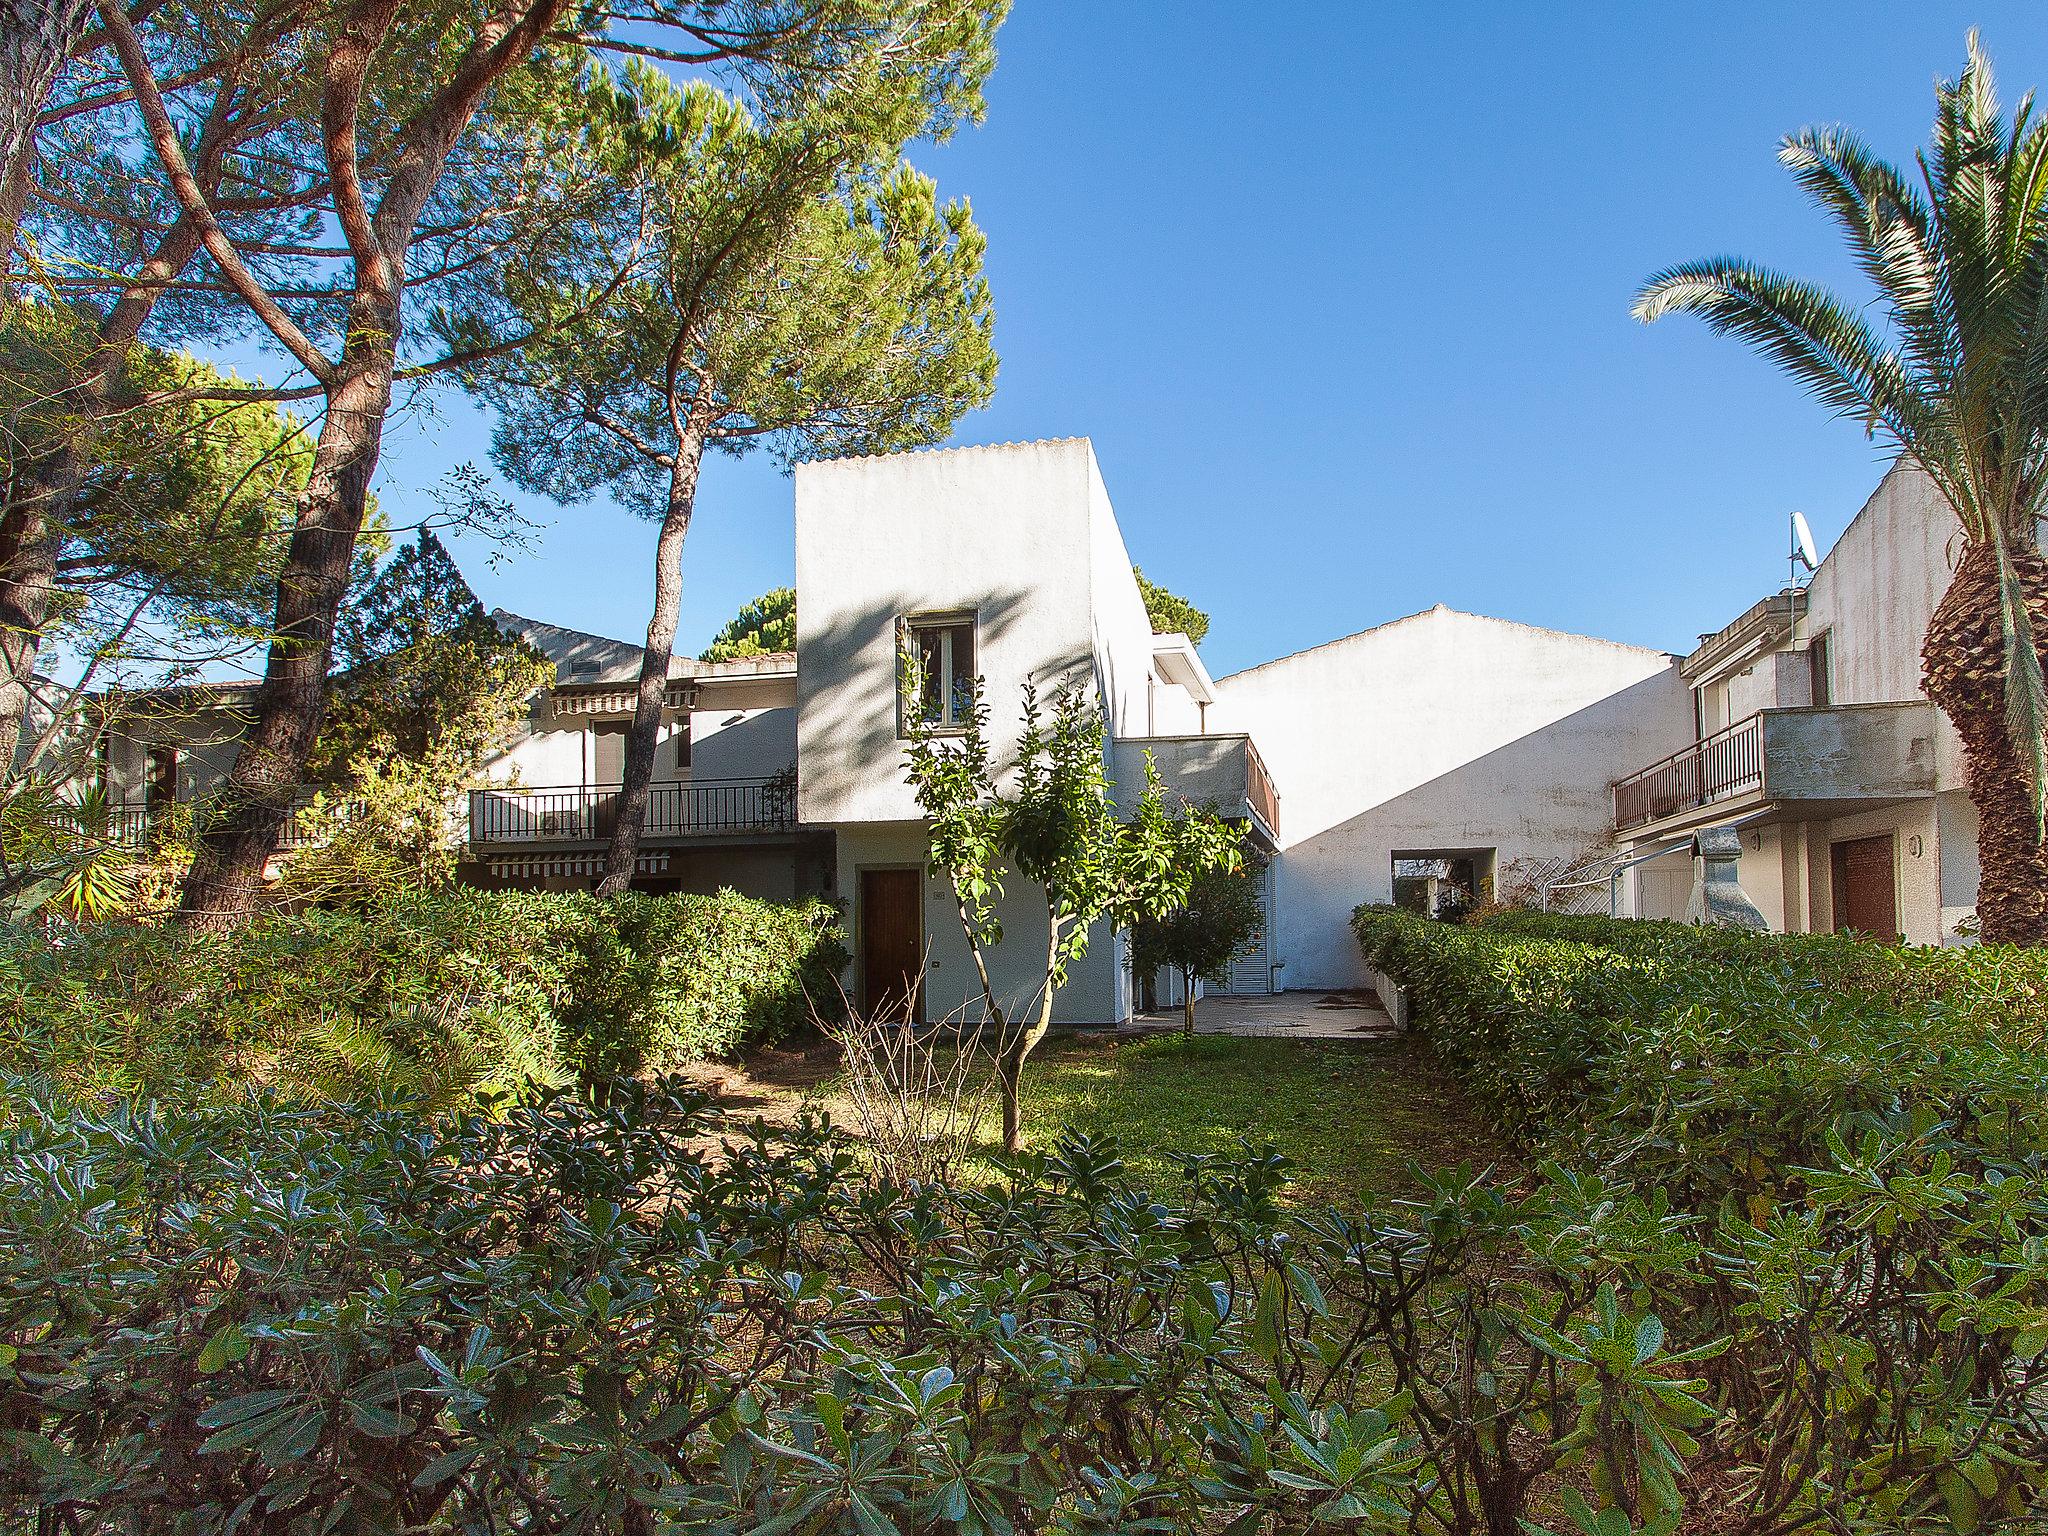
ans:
(765, 625)
(794, 288)
(440, 145)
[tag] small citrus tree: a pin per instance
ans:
(1200, 937)
(1058, 827)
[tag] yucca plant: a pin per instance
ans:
(1955, 372)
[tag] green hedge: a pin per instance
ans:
(1717, 1060)
(448, 994)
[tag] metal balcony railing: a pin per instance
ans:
(137, 824)
(1715, 768)
(1258, 788)
(587, 813)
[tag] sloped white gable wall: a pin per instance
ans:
(1441, 730)
(1874, 594)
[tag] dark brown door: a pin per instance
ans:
(891, 940)
(1866, 893)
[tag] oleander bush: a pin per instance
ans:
(1853, 1136)
(448, 994)
(641, 1316)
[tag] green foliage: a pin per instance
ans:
(1854, 1133)
(1199, 938)
(765, 625)
(1718, 1058)
(429, 690)
(659, 981)
(58, 855)
(1171, 615)
(169, 551)
(579, 1317)
(641, 1314)
(787, 284)
(450, 994)
(1057, 825)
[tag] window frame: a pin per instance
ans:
(945, 621)
(1821, 671)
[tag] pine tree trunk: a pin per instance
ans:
(45, 493)
(623, 853)
(36, 36)
(1964, 670)
(28, 574)
(248, 821)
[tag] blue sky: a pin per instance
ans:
(1341, 294)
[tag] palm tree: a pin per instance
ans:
(1956, 374)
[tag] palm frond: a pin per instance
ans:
(1808, 332)
(1890, 229)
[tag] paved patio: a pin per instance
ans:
(1296, 1015)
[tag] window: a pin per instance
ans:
(160, 777)
(608, 751)
(1820, 669)
(943, 645)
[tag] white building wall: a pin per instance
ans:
(1133, 698)
(725, 744)
(1443, 730)
(1022, 535)
(1004, 531)
(1097, 989)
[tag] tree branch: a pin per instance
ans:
(172, 155)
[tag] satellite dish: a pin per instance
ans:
(1803, 552)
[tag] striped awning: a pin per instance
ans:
(542, 866)
(681, 697)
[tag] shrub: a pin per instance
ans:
(574, 1318)
(1857, 1135)
(1719, 1059)
(657, 981)
(450, 994)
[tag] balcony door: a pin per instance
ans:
(607, 773)
(891, 942)
(1866, 886)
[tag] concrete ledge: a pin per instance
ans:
(1392, 998)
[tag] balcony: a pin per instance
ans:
(702, 808)
(135, 825)
(1782, 764)
(1224, 771)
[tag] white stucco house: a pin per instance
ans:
(1441, 749)
(1811, 737)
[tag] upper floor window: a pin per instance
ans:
(1820, 667)
(943, 645)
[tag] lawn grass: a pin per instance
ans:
(1351, 1115)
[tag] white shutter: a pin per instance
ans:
(1251, 970)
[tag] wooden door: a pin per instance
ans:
(1866, 889)
(891, 941)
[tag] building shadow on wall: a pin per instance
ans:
(1325, 875)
